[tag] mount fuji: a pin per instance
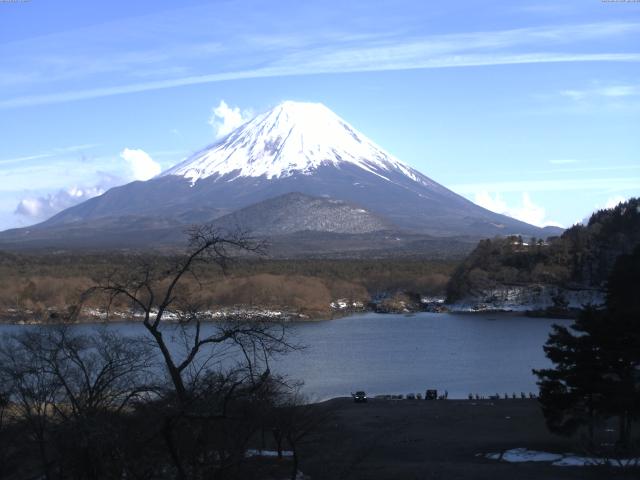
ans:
(336, 172)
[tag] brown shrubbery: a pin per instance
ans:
(40, 294)
(48, 285)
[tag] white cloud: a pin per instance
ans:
(527, 211)
(41, 208)
(225, 119)
(611, 202)
(142, 166)
(38, 208)
(614, 201)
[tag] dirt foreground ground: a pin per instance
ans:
(418, 439)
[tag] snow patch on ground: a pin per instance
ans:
(267, 453)
(234, 313)
(343, 304)
(517, 455)
(432, 300)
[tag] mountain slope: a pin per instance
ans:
(295, 147)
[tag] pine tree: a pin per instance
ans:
(596, 371)
(623, 342)
(572, 393)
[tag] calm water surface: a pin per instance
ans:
(460, 353)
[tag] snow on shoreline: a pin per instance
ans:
(204, 315)
(514, 299)
(518, 455)
(522, 299)
(267, 453)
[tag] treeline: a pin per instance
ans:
(582, 256)
(49, 284)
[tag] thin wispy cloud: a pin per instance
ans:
(272, 54)
(49, 154)
(554, 8)
(25, 158)
(317, 67)
(47, 175)
(78, 171)
(606, 92)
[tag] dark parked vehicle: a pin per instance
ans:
(359, 397)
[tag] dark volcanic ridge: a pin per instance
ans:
(296, 212)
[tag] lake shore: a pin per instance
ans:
(442, 439)
(249, 313)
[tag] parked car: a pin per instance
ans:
(359, 397)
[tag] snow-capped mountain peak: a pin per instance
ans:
(296, 170)
(293, 137)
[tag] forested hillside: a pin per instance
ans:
(579, 259)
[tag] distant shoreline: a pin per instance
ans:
(276, 316)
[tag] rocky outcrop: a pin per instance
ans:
(545, 299)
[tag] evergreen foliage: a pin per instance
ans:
(582, 256)
(596, 373)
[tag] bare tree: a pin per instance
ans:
(66, 388)
(7, 437)
(156, 294)
(184, 400)
(218, 371)
(32, 391)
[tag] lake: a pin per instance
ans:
(400, 354)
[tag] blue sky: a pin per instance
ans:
(528, 108)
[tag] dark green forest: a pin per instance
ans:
(582, 257)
